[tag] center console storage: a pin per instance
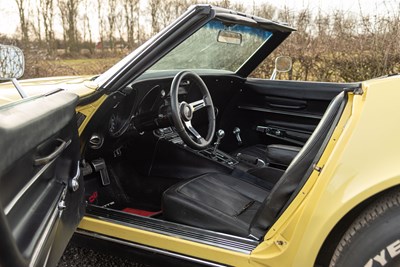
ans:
(218, 156)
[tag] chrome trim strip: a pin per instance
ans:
(202, 236)
(46, 232)
(78, 172)
(14, 201)
(147, 248)
(74, 182)
(267, 110)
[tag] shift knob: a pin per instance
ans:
(220, 134)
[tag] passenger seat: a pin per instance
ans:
(275, 154)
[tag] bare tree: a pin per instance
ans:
(36, 23)
(69, 14)
(47, 12)
(87, 26)
(23, 8)
(131, 8)
(101, 23)
(164, 12)
(111, 17)
(154, 6)
(225, 3)
(264, 10)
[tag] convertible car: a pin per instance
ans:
(176, 152)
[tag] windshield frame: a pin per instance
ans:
(136, 63)
(203, 51)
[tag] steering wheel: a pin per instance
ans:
(182, 113)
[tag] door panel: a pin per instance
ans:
(278, 112)
(40, 194)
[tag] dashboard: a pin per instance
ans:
(144, 106)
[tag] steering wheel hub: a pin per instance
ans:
(186, 111)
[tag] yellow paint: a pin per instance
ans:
(289, 225)
(89, 110)
(358, 163)
(80, 85)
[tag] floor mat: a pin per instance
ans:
(142, 212)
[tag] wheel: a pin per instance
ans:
(374, 237)
(182, 113)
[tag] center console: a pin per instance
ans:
(179, 160)
(211, 153)
(218, 156)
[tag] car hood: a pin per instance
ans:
(80, 85)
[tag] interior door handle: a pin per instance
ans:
(57, 152)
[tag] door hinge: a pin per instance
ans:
(61, 203)
(74, 182)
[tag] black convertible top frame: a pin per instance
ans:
(185, 26)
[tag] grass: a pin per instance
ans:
(66, 67)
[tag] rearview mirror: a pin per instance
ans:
(11, 62)
(229, 37)
(282, 64)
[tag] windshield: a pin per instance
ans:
(215, 46)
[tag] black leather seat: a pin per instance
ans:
(273, 154)
(243, 207)
(214, 201)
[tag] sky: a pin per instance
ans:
(354, 6)
(9, 16)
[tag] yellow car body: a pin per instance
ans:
(359, 164)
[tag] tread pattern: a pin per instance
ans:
(389, 201)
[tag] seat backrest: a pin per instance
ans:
(300, 168)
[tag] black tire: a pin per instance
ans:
(374, 237)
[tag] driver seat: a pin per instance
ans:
(247, 206)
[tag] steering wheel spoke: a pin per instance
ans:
(194, 132)
(197, 105)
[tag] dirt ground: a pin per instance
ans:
(84, 257)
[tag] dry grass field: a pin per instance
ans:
(67, 67)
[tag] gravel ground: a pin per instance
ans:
(75, 256)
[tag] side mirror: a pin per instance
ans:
(12, 64)
(282, 64)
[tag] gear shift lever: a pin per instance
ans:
(236, 132)
(220, 134)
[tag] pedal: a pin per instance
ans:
(99, 165)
